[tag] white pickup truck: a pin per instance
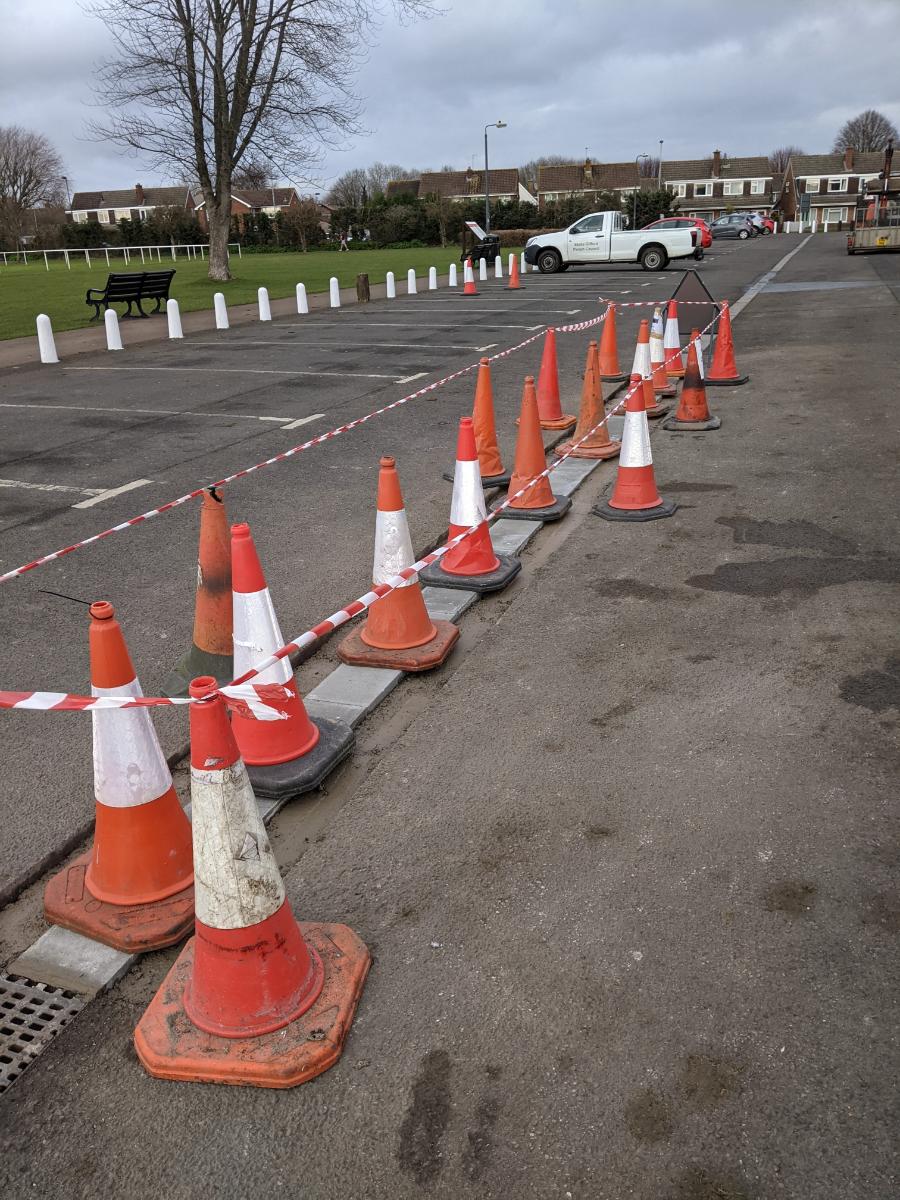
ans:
(602, 238)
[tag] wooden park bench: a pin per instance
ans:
(129, 288)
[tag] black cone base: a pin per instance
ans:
(195, 663)
(493, 581)
(283, 781)
(727, 382)
(487, 481)
(688, 426)
(551, 512)
(665, 509)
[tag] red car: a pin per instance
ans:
(686, 223)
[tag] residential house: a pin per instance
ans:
(469, 185)
(127, 204)
(709, 187)
(250, 202)
(563, 180)
(825, 187)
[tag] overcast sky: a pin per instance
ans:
(565, 74)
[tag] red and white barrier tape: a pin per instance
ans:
(237, 693)
(286, 454)
(653, 303)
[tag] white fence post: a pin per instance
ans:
(302, 302)
(390, 285)
(265, 311)
(221, 310)
(432, 279)
(173, 314)
(334, 289)
(46, 344)
(451, 280)
(113, 336)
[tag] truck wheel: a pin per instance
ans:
(698, 253)
(549, 261)
(653, 258)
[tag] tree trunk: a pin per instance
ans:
(219, 218)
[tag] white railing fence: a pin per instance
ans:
(92, 254)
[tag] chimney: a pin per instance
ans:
(139, 193)
(716, 164)
(588, 171)
(848, 159)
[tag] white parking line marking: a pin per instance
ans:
(341, 345)
(49, 487)
(110, 492)
(241, 371)
(570, 312)
(412, 378)
(303, 421)
(420, 325)
(153, 412)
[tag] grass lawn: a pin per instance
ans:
(27, 291)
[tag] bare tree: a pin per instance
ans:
(648, 168)
(253, 172)
(380, 174)
(348, 190)
(779, 159)
(30, 175)
(867, 132)
(208, 82)
(528, 172)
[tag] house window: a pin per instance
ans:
(733, 187)
(837, 185)
(702, 189)
(834, 214)
(123, 214)
(812, 185)
(551, 196)
(757, 187)
(80, 218)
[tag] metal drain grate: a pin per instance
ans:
(31, 1015)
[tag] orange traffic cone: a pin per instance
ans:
(469, 288)
(550, 413)
(293, 755)
(724, 372)
(134, 888)
(662, 385)
(514, 285)
(598, 444)
(610, 371)
(643, 367)
(538, 503)
(493, 473)
(693, 410)
(472, 564)
(254, 997)
(398, 632)
(672, 343)
(635, 496)
(211, 647)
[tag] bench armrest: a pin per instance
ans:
(99, 291)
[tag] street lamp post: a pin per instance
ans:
(634, 202)
(659, 184)
(487, 183)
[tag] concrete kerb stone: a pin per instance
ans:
(69, 960)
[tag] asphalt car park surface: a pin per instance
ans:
(84, 425)
(628, 865)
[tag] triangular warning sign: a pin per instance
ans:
(703, 310)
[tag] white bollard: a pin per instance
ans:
(482, 268)
(522, 267)
(113, 336)
(221, 310)
(265, 309)
(498, 267)
(510, 263)
(411, 282)
(302, 302)
(46, 344)
(432, 279)
(451, 276)
(173, 315)
(391, 286)
(334, 289)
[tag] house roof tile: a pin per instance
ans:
(833, 164)
(154, 197)
(586, 177)
(504, 181)
(685, 170)
(402, 187)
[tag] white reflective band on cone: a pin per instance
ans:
(393, 547)
(236, 879)
(129, 766)
(467, 506)
(256, 636)
(641, 364)
(635, 450)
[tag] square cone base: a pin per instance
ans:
(195, 663)
(688, 426)
(487, 481)
(171, 1047)
(604, 510)
(599, 454)
(550, 512)
(615, 378)
(134, 929)
(354, 651)
(658, 410)
(492, 581)
(726, 382)
(282, 781)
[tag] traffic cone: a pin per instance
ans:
(514, 285)
(254, 997)
(493, 473)
(469, 288)
(211, 647)
(693, 410)
(550, 413)
(662, 385)
(472, 564)
(293, 755)
(635, 496)
(134, 889)
(724, 372)
(672, 343)
(538, 503)
(398, 632)
(610, 371)
(642, 366)
(598, 444)
(698, 350)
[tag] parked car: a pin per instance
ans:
(733, 225)
(768, 225)
(686, 223)
(602, 238)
